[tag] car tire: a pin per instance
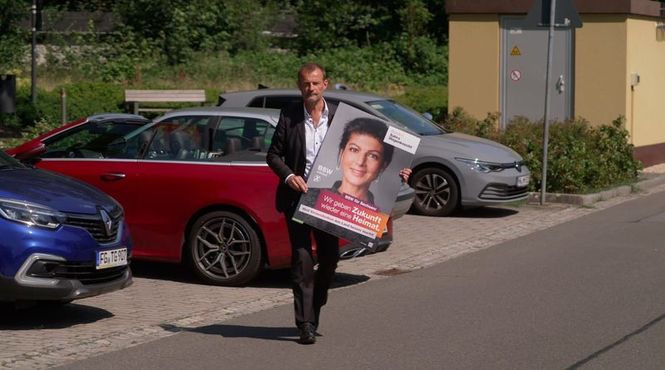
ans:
(437, 193)
(224, 249)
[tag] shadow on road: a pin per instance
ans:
(289, 334)
(282, 279)
(267, 279)
(485, 212)
(164, 271)
(48, 316)
(477, 212)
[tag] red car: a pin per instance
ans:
(194, 185)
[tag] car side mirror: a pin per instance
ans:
(428, 115)
(31, 151)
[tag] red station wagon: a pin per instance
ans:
(194, 185)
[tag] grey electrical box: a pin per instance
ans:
(524, 68)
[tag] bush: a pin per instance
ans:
(369, 68)
(28, 134)
(424, 59)
(83, 99)
(432, 99)
(86, 98)
(581, 158)
(460, 121)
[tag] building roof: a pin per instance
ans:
(633, 7)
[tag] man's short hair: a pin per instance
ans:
(311, 67)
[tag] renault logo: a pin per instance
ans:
(108, 223)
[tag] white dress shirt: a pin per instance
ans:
(314, 135)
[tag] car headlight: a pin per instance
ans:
(481, 166)
(31, 214)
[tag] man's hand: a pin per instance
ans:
(404, 173)
(297, 183)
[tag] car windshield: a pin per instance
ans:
(8, 162)
(406, 116)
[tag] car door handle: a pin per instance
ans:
(113, 176)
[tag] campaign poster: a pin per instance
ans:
(355, 179)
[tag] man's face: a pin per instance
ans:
(311, 85)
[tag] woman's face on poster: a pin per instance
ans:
(361, 160)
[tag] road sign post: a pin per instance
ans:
(544, 14)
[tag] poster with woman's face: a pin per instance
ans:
(355, 178)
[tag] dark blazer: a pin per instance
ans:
(286, 154)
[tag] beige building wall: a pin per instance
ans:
(600, 68)
(473, 64)
(646, 101)
(608, 49)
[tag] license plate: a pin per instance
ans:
(111, 258)
(522, 181)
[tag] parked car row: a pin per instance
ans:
(192, 186)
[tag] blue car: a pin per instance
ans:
(60, 239)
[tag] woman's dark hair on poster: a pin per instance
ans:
(370, 127)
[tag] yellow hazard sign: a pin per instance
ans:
(516, 51)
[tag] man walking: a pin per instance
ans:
(295, 144)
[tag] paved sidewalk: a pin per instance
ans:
(162, 302)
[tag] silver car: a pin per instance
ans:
(450, 169)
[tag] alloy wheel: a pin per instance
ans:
(224, 249)
(436, 192)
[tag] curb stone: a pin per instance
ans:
(648, 181)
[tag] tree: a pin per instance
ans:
(13, 45)
(247, 19)
(343, 23)
(177, 27)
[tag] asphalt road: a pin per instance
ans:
(585, 294)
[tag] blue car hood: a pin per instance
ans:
(52, 190)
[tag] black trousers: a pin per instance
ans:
(310, 287)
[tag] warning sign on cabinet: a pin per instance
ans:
(516, 51)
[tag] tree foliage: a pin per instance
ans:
(406, 30)
(177, 27)
(12, 38)
(343, 23)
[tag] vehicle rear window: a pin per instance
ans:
(255, 103)
(279, 102)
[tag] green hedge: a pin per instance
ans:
(431, 99)
(82, 99)
(582, 158)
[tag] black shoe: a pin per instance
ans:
(307, 334)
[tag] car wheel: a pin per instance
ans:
(224, 249)
(437, 193)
